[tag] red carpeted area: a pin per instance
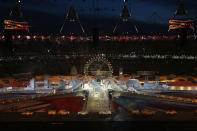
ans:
(72, 103)
(115, 106)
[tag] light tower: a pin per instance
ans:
(180, 22)
(125, 18)
(15, 23)
(72, 20)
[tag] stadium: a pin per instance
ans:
(74, 75)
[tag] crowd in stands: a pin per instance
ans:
(58, 57)
(124, 47)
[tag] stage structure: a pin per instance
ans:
(15, 23)
(181, 22)
(99, 67)
(125, 19)
(71, 23)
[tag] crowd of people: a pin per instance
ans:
(52, 57)
(104, 37)
(159, 47)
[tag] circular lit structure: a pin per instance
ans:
(99, 67)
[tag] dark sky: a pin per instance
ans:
(48, 15)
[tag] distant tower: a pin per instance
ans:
(15, 23)
(73, 71)
(124, 20)
(180, 22)
(181, 10)
(72, 24)
(155, 18)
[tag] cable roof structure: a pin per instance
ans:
(16, 11)
(72, 18)
(181, 10)
(125, 18)
(155, 18)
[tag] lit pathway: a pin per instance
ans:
(98, 100)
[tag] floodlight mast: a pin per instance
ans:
(181, 10)
(180, 19)
(15, 22)
(125, 16)
(72, 17)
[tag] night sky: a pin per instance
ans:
(48, 15)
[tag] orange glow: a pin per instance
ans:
(172, 87)
(181, 24)
(189, 88)
(15, 25)
(182, 88)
